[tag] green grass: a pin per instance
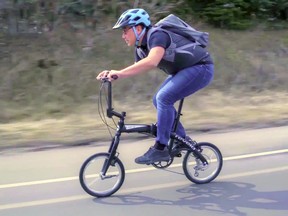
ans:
(205, 111)
(56, 101)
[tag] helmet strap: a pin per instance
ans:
(138, 36)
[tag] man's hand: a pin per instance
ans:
(111, 75)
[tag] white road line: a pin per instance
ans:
(133, 190)
(42, 202)
(256, 154)
(48, 181)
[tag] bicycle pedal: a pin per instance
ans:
(176, 154)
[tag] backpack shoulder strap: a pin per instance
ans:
(152, 30)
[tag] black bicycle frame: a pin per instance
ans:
(142, 128)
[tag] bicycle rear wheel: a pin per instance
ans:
(94, 182)
(196, 171)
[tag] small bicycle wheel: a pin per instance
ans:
(94, 182)
(198, 172)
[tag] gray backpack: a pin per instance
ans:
(176, 25)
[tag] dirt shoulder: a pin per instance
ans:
(206, 113)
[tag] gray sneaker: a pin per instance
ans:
(153, 155)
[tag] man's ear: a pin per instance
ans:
(139, 29)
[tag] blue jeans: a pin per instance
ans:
(174, 88)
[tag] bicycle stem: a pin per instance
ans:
(110, 110)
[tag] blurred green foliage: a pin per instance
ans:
(230, 14)
(51, 69)
(241, 14)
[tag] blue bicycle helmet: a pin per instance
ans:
(133, 17)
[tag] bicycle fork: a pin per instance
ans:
(110, 161)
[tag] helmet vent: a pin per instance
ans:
(137, 18)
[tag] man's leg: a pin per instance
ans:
(183, 84)
(180, 129)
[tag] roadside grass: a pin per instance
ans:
(48, 87)
(205, 111)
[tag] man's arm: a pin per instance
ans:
(151, 61)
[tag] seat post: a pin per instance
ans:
(178, 114)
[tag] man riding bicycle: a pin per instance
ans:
(188, 71)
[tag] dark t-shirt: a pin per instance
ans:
(187, 55)
(158, 38)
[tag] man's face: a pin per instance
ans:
(129, 36)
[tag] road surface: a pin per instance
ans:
(253, 180)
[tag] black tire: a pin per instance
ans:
(94, 183)
(194, 169)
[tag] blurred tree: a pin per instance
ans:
(12, 17)
(227, 13)
(237, 14)
(35, 16)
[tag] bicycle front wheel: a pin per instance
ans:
(97, 184)
(198, 172)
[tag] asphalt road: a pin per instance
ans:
(254, 181)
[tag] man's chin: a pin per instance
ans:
(128, 43)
